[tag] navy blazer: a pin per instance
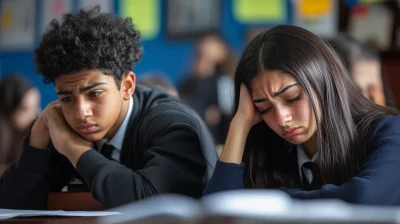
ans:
(378, 182)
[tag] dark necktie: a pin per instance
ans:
(316, 182)
(107, 150)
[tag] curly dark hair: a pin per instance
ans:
(88, 40)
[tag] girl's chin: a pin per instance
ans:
(296, 140)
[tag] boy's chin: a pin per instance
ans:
(93, 137)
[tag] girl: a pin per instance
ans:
(19, 107)
(302, 125)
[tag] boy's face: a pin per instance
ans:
(91, 103)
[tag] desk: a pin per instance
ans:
(67, 201)
(73, 201)
(83, 201)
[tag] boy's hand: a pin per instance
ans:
(64, 139)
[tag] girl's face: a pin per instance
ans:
(27, 111)
(284, 106)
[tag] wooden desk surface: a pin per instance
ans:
(73, 201)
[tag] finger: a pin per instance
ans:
(55, 119)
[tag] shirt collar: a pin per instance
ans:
(118, 139)
(302, 156)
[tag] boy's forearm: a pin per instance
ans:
(25, 184)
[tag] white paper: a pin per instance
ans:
(12, 213)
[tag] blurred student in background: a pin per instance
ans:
(365, 69)
(210, 51)
(19, 106)
(152, 80)
(209, 89)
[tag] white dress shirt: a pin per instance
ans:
(118, 139)
(303, 158)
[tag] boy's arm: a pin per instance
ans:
(173, 164)
(24, 185)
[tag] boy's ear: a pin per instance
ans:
(128, 85)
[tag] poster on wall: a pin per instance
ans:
(17, 24)
(317, 16)
(105, 5)
(372, 25)
(145, 15)
(260, 11)
(191, 18)
(53, 9)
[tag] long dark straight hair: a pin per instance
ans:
(346, 115)
(13, 88)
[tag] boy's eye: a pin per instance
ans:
(97, 93)
(66, 99)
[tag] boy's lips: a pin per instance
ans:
(87, 128)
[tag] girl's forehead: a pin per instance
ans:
(273, 78)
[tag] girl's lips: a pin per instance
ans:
(291, 132)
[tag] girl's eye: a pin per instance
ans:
(294, 99)
(265, 111)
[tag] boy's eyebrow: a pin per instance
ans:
(276, 94)
(83, 89)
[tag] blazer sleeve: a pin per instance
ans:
(26, 183)
(226, 176)
(173, 164)
(378, 182)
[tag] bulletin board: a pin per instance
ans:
(186, 18)
(17, 25)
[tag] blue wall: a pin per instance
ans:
(160, 54)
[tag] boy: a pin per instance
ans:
(126, 142)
